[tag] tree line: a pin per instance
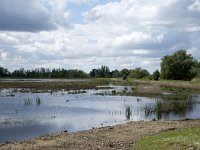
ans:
(43, 73)
(102, 72)
(178, 66)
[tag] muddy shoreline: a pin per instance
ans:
(116, 137)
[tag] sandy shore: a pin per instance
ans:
(107, 138)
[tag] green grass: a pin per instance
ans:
(171, 140)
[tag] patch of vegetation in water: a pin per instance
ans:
(128, 112)
(7, 121)
(173, 140)
(163, 107)
(115, 93)
(27, 102)
(38, 101)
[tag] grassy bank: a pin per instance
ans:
(173, 140)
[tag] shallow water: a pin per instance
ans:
(24, 117)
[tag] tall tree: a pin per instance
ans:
(178, 66)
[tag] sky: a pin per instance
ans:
(85, 34)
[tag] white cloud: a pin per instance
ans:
(3, 55)
(195, 6)
(23, 15)
(6, 39)
(126, 33)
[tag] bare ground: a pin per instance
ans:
(107, 138)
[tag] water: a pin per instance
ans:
(24, 117)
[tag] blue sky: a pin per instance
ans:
(76, 9)
(85, 34)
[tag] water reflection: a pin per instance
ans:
(59, 111)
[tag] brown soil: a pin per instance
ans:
(108, 138)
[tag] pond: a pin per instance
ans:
(24, 116)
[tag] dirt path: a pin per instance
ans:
(107, 138)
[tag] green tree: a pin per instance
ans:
(124, 73)
(139, 73)
(156, 75)
(196, 70)
(178, 66)
(4, 72)
(102, 72)
(115, 73)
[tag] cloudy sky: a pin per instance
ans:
(86, 34)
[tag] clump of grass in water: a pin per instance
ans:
(38, 101)
(166, 107)
(148, 110)
(7, 121)
(159, 107)
(27, 102)
(128, 112)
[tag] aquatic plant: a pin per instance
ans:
(139, 99)
(148, 110)
(167, 106)
(38, 101)
(7, 121)
(27, 102)
(128, 112)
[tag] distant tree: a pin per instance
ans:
(196, 70)
(156, 75)
(93, 73)
(139, 73)
(102, 72)
(178, 66)
(4, 72)
(46, 73)
(105, 71)
(124, 73)
(114, 73)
